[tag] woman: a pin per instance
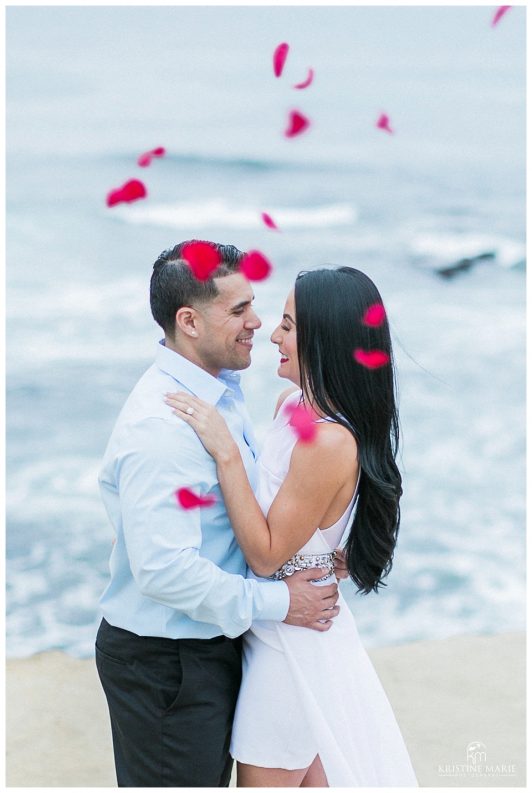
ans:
(311, 710)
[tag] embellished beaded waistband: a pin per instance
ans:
(303, 562)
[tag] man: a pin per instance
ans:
(167, 650)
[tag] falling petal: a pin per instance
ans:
(189, 500)
(383, 122)
(255, 266)
(500, 12)
(371, 359)
(307, 81)
(130, 191)
(297, 124)
(303, 422)
(146, 158)
(279, 58)
(374, 315)
(269, 221)
(202, 258)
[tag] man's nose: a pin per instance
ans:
(253, 321)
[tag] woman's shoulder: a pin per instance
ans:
(284, 396)
(333, 446)
(331, 457)
(334, 437)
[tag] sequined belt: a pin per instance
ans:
(303, 562)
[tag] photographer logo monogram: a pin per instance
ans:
(477, 764)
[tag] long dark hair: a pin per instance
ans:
(330, 305)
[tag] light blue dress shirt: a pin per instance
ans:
(178, 573)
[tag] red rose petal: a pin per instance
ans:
(302, 422)
(374, 315)
(189, 500)
(269, 221)
(130, 191)
(500, 12)
(297, 124)
(255, 266)
(371, 359)
(279, 58)
(383, 122)
(307, 81)
(146, 158)
(304, 427)
(202, 258)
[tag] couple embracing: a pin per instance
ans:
(224, 634)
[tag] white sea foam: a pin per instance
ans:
(121, 297)
(436, 249)
(220, 213)
(42, 631)
(44, 489)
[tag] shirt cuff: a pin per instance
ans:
(274, 601)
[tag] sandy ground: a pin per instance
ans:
(446, 695)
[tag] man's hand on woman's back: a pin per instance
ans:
(311, 606)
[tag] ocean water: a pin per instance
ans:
(89, 88)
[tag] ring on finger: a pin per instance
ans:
(190, 411)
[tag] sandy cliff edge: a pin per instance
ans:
(445, 694)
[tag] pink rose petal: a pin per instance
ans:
(374, 315)
(202, 258)
(269, 221)
(130, 191)
(307, 81)
(255, 266)
(297, 124)
(383, 122)
(303, 422)
(371, 359)
(189, 500)
(279, 58)
(500, 12)
(145, 159)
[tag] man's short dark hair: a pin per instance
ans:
(173, 285)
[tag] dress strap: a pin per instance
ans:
(288, 397)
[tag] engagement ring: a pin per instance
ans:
(190, 411)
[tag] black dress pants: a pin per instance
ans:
(171, 703)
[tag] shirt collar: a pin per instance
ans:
(193, 377)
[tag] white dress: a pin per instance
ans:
(306, 693)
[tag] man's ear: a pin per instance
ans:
(186, 320)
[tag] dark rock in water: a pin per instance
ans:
(450, 270)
